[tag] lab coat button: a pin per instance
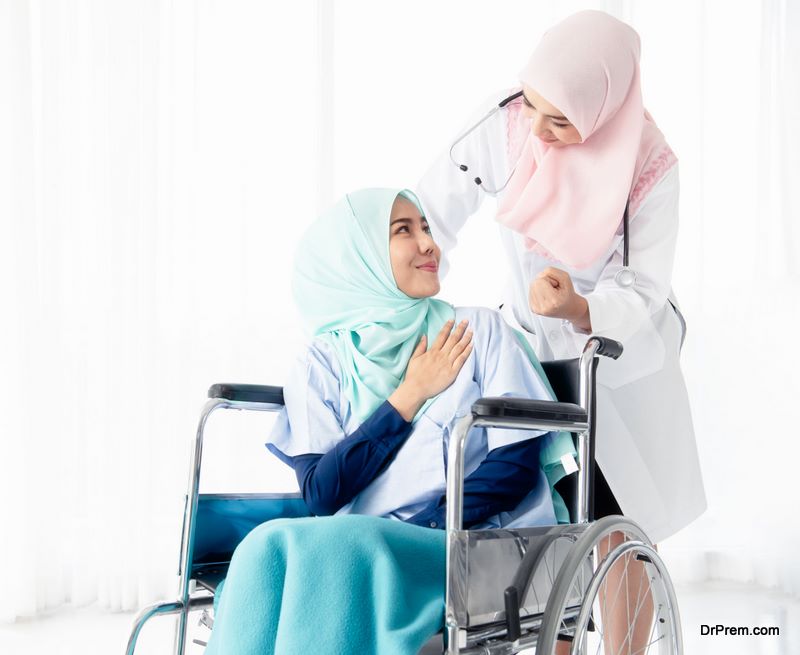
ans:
(554, 335)
(433, 524)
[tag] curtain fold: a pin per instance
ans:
(739, 288)
(143, 191)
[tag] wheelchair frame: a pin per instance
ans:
(574, 417)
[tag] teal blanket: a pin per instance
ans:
(334, 585)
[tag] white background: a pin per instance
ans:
(160, 160)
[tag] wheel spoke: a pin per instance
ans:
(640, 604)
(601, 626)
(616, 593)
(577, 588)
(652, 629)
(646, 646)
(627, 608)
(549, 568)
(632, 623)
(639, 594)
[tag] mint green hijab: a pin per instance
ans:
(346, 294)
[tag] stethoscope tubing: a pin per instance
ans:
(625, 277)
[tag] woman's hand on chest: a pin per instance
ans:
(431, 370)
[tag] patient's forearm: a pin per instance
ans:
(328, 482)
(500, 482)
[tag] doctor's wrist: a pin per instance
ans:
(579, 316)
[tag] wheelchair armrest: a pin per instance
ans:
(249, 393)
(607, 347)
(526, 409)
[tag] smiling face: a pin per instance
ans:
(413, 253)
(548, 124)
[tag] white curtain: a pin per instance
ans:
(158, 161)
(737, 279)
(155, 176)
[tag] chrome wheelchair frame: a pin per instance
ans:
(563, 560)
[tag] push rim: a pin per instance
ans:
(584, 574)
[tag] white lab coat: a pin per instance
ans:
(645, 439)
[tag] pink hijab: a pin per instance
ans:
(569, 201)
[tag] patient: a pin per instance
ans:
(369, 411)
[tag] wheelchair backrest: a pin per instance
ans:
(564, 376)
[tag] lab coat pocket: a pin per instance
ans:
(643, 354)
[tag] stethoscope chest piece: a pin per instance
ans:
(625, 277)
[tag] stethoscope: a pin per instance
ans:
(624, 277)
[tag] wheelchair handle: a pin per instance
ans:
(605, 346)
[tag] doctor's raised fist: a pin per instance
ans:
(552, 294)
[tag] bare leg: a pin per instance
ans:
(626, 604)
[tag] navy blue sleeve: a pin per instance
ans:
(500, 482)
(328, 482)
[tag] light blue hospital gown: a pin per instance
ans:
(309, 585)
(317, 416)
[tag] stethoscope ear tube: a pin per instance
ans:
(625, 277)
(505, 101)
(463, 167)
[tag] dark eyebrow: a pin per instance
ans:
(558, 118)
(408, 220)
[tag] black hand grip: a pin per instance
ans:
(608, 347)
(249, 393)
(511, 597)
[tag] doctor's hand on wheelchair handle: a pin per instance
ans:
(552, 294)
(431, 370)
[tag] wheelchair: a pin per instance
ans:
(556, 589)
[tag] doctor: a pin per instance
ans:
(587, 191)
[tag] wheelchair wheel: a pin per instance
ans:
(612, 596)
